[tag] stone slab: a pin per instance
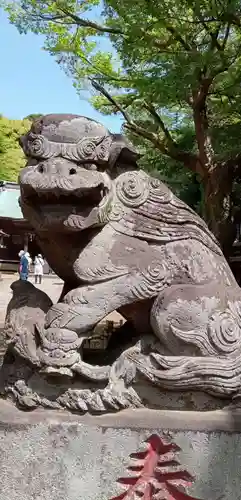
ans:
(48, 455)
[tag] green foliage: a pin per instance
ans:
(184, 183)
(11, 156)
(148, 52)
(171, 68)
(160, 48)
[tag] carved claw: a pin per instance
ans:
(90, 372)
(66, 316)
(58, 316)
(55, 371)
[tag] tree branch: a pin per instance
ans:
(89, 24)
(214, 36)
(84, 23)
(151, 109)
(178, 38)
(131, 125)
(189, 159)
(99, 72)
(226, 35)
(199, 96)
(57, 18)
(233, 20)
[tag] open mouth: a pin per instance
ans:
(80, 198)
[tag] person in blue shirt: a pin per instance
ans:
(24, 266)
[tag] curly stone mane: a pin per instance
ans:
(164, 218)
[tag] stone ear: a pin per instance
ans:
(122, 151)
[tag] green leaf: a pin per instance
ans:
(11, 156)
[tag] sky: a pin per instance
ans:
(32, 82)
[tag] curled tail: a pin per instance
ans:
(201, 333)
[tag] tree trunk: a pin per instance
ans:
(217, 206)
(216, 181)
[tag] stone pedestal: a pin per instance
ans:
(47, 455)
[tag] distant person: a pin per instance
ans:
(21, 253)
(24, 267)
(38, 268)
(27, 254)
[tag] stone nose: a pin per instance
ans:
(56, 167)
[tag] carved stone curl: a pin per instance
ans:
(120, 240)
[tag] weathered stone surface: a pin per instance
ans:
(122, 241)
(48, 455)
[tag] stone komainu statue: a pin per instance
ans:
(121, 240)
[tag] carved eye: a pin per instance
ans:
(72, 171)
